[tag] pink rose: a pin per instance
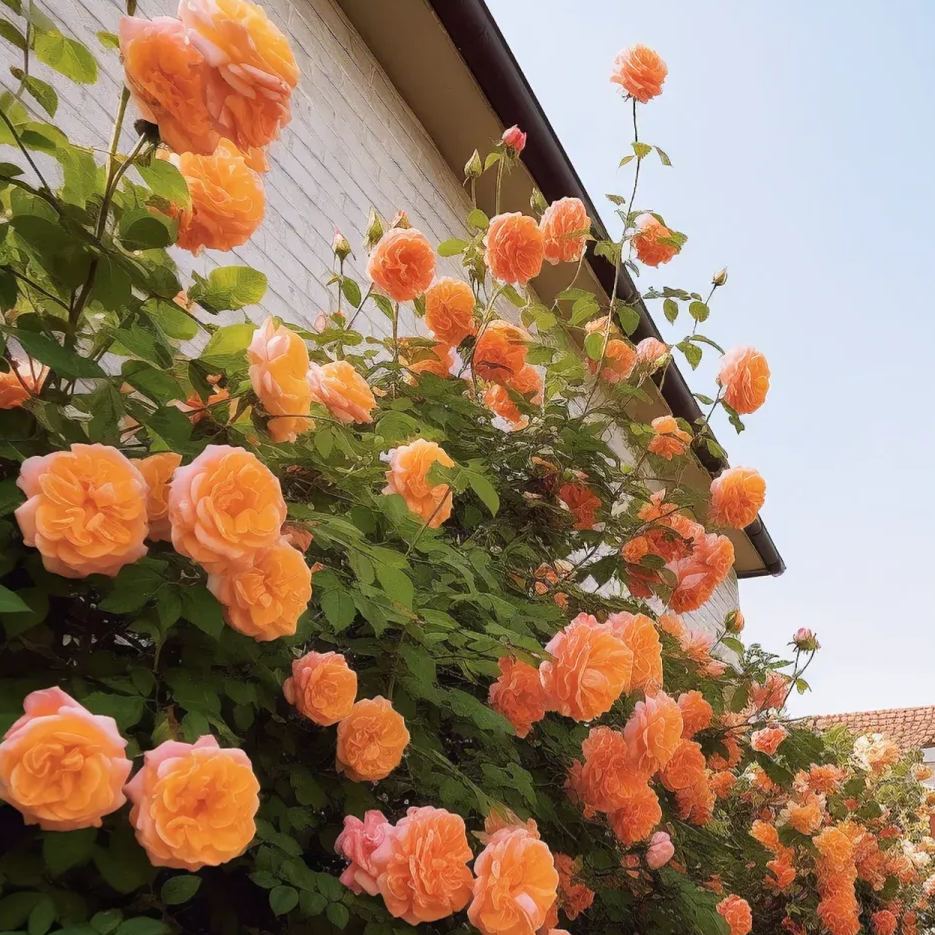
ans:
(805, 639)
(660, 850)
(514, 139)
(356, 843)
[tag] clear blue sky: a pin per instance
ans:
(801, 136)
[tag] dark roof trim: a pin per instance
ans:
(477, 37)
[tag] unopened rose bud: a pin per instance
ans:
(401, 220)
(537, 202)
(514, 140)
(805, 639)
(374, 228)
(720, 277)
(340, 247)
(734, 622)
(473, 167)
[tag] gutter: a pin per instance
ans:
(477, 37)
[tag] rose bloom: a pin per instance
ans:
(168, 78)
(497, 397)
(806, 817)
(736, 913)
(357, 843)
(421, 866)
(641, 636)
(640, 72)
(549, 576)
(685, 768)
(225, 507)
(765, 696)
(437, 360)
(838, 912)
(582, 502)
(402, 264)
(650, 241)
(518, 694)
(85, 510)
(253, 68)
(884, 922)
(23, 380)
(768, 739)
(227, 200)
(514, 139)
(157, 471)
(198, 409)
(371, 740)
(722, 783)
(322, 687)
(449, 310)
(194, 804)
(744, 378)
(61, 766)
(653, 732)
(701, 573)
(500, 352)
(565, 226)
(515, 248)
(737, 495)
(638, 817)
(734, 622)
(651, 352)
(697, 713)
(618, 362)
(660, 850)
(607, 778)
(782, 872)
(279, 368)
(409, 466)
(515, 884)
(342, 390)
(575, 896)
(695, 803)
(668, 441)
(589, 670)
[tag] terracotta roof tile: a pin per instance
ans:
(911, 728)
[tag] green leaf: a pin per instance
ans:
(165, 180)
(143, 925)
(180, 889)
(351, 291)
(283, 899)
(670, 308)
(628, 317)
(396, 583)
(594, 345)
(663, 156)
(338, 914)
(641, 150)
(227, 342)
(339, 608)
(478, 220)
(229, 288)
(41, 917)
(43, 92)
(11, 603)
(126, 710)
(62, 850)
(67, 56)
(9, 32)
(698, 310)
(200, 607)
(64, 362)
(486, 492)
(452, 247)
(109, 40)
(142, 230)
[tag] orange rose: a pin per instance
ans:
(668, 441)
(23, 380)
(449, 310)
(279, 369)
(641, 636)
(340, 388)
(736, 913)
(651, 352)
(618, 362)
(61, 766)
(515, 884)
(85, 512)
(744, 378)
(565, 226)
(699, 574)
(194, 804)
(515, 248)
(421, 866)
(653, 241)
(169, 78)
(497, 397)
(198, 409)
(737, 495)
(640, 71)
(157, 471)
(653, 732)
(589, 670)
(417, 359)
(409, 467)
(518, 695)
(265, 598)
(582, 502)
(371, 740)
(697, 713)
(638, 817)
(402, 264)
(607, 778)
(575, 896)
(884, 922)
(227, 200)
(322, 687)
(253, 70)
(695, 803)
(768, 739)
(686, 766)
(500, 352)
(835, 849)
(722, 782)
(225, 507)
(806, 817)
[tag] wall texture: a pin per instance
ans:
(353, 143)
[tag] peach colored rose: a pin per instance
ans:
(737, 495)
(771, 693)
(744, 378)
(618, 362)
(697, 713)
(253, 70)
(345, 393)
(421, 866)
(265, 598)
(652, 241)
(653, 732)
(734, 621)
(227, 200)
(685, 768)
(409, 467)
(518, 694)
(651, 353)
(589, 670)
(371, 740)
(194, 804)
(768, 739)
(669, 440)
(699, 574)
(402, 264)
(736, 913)
(157, 471)
(85, 512)
(225, 507)
(565, 227)
(418, 359)
(322, 687)
(660, 850)
(884, 922)
(497, 397)
(449, 310)
(641, 636)
(515, 248)
(357, 843)
(61, 766)
(515, 884)
(169, 79)
(607, 778)
(695, 803)
(279, 369)
(638, 817)
(198, 409)
(640, 71)
(582, 502)
(514, 139)
(806, 817)
(297, 536)
(500, 352)
(574, 896)
(23, 380)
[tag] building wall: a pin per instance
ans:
(353, 143)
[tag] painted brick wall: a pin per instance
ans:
(353, 142)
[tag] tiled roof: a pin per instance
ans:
(911, 728)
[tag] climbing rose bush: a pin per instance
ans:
(310, 630)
